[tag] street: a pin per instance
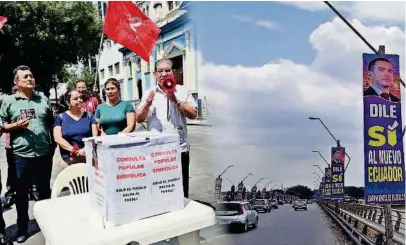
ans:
(283, 226)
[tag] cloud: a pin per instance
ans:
(393, 12)
(268, 24)
(261, 113)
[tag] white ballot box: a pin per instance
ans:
(134, 176)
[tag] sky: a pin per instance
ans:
(267, 66)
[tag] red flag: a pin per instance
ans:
(3, 21)
(129, 26)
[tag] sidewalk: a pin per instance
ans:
(198, 122)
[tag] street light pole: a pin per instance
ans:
(321, 170)
(318, 176)
(246, 177)
(258, 181)
(337, 141)
(268, 184)
(322, 157)
(225, 170)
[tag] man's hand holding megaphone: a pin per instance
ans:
(168, 85)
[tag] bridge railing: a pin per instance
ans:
(365, 224)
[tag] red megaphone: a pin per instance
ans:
(168, 84)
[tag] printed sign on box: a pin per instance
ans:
(134, 176)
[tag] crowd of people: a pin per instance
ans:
(33, 132)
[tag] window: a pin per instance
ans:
(102, 74)
(147, 11)
(110, 71)
(170, 5)
(129, 69)
(158, 11)
(138, 64)
(117, 67)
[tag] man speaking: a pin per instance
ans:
(166, 110)
(381, 72)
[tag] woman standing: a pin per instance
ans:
(116, 115)
(71, 127)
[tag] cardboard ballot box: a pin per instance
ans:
(134, 176)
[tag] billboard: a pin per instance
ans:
(337, 172)
(383, 144)
(217, 188)
(239, 191)
(327, 183)
(321, 190)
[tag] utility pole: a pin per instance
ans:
(387, 208)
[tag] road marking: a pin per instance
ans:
(214, 238)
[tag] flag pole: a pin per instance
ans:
(98, 61)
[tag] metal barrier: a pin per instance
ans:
(365, 224)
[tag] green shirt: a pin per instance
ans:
(34, 140)
(113, 119)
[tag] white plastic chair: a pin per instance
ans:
(74, 177)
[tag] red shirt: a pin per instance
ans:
(90, 104)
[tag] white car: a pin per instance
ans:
(300, 204)
(239, 214)
(274, 204)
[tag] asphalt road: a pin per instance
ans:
(200, 180)
(282, 226)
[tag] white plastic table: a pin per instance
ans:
(71, 220)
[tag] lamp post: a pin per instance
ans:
(268, 184)
(322, 157)
(258, 181)
(318, 176)
(246, 177)
(315, 165)
(336, 140)
(230, 166)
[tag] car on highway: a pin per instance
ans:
(281, 202)
(236, 214)
(274, 204)
(300, 204)
(261, 205)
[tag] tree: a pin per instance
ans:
(46, 36)
(71, 76)
(301, 191)
(355, 192)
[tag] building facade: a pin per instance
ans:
(177, 41)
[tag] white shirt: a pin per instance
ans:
(163, 115)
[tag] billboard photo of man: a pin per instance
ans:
(338, 156)
(381, 74)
